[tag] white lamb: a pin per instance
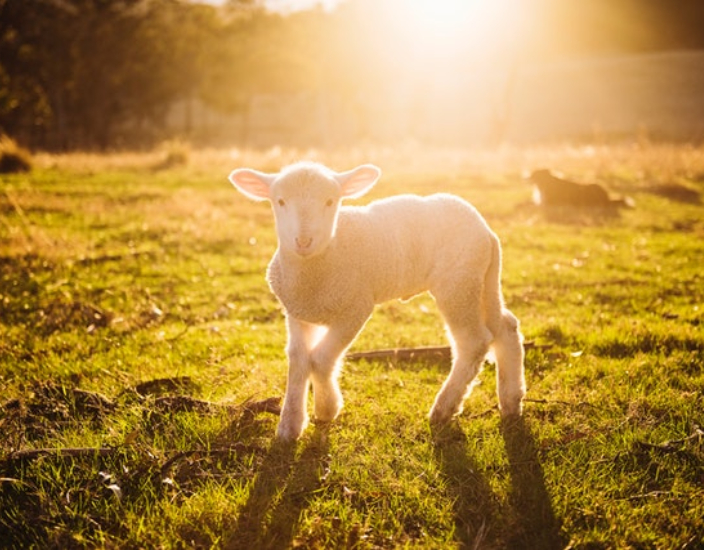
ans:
(334, 263)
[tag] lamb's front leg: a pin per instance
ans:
(326, 360)
(302, 337)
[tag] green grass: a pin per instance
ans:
(136, 327)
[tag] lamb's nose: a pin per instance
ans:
(303, 242)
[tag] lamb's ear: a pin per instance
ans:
(357, 182)
(251, 183)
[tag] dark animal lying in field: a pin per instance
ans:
(553, 191)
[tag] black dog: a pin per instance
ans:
(553, 191)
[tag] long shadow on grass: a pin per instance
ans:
(477, 509)
(280, 494)
(481, 520)
(532, 519)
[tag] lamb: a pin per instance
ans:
(334, 263)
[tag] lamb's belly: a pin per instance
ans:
(402, 286)
(404, 294)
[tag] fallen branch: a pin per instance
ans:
(68, 452)
(698, 432)
(411, 354)
(672, 446)
(403, 354)
(234, 448)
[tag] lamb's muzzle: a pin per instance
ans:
(303, 243)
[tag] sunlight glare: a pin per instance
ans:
(439, 28)
(438, 19)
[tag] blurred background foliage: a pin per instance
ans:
(104, 74)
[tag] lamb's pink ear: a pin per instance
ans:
(357, 182)
(251, 183)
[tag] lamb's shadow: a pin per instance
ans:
(481, 520)
(534, 522)
(280, 494)
(477, 509)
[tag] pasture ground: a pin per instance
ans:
(141, 355)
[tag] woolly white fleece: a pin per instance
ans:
(334, 263)
(392, 248)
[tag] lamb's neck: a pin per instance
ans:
(294, 264)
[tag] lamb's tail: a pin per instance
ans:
(507, 345)
(493, 298)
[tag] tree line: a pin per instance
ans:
(98, 74)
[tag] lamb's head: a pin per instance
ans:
(305, 198)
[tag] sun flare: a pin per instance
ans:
(438, 19)
(442, 27)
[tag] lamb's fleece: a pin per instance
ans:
(392, 248)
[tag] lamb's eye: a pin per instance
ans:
(282, 202)
(329, 202)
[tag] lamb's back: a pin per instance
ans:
(404, 244)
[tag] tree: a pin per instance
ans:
(76, 73)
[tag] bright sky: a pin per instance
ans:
(433, 30)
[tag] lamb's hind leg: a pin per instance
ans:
(510, 377)
(470, 340)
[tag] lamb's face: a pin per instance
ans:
(306, 200)
(306, 205)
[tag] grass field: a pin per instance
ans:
(141, 356)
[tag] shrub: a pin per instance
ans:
(13, 158)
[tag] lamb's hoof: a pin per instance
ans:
(288, 432)
(287, 436)
(439, 417)
(327, 413)
(512, 409)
